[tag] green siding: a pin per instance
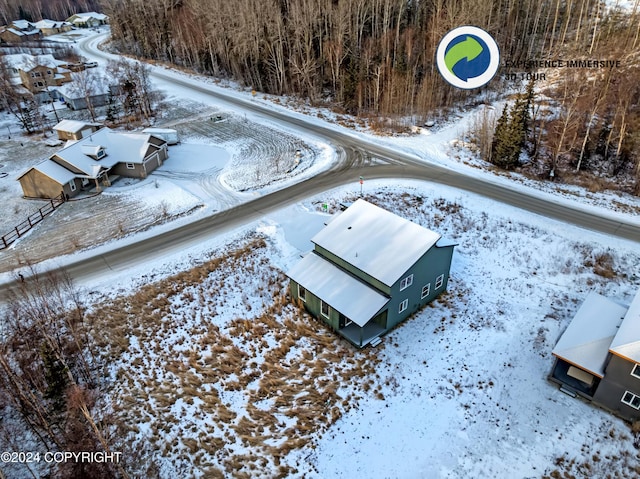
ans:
(435, 262)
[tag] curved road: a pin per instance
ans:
(352, 153)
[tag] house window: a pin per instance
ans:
(439, 281)
(324, 309)
(631, 399)
(131, 166)
(99, 153)
(38, 84)
(405, 283)
(425, 290)
(635, 372)
(35, 75)
(302, 293)
(404, 305)
(72, 185)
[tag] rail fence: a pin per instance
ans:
(31, 221)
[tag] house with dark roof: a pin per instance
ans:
(598, 355)
(93, 162)
(369, 270)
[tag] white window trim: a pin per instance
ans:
(131, 166)
(439, 281)
(406, 282)
(72, 185)
(322, 303)
(347, 322)
(635, 372)
(426, 289)
(403, 306)
(630, 401)
(302, 296)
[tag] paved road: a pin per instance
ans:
(353, 153)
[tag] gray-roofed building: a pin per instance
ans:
(598, 355)
(91, 161)
(369, 270)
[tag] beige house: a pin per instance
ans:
(19, 31)
(52, 27)
(94, 162)
(75, 130)
(88, 20)
(37, 73)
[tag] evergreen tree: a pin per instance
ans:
(57, 380)
(512, 130)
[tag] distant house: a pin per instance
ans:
(52, 27)
(76, 98)
(19, 31)
(598, 356)
(88, 20)
(38, 73)
(369, 270)
(75, 130)
(92, 162)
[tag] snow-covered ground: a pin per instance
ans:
(459, 390)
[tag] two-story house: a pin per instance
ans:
(37, 73)
(369, 270)
(598, 355)
(20, 31)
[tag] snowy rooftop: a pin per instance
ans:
(26, 62)
(46, 23)
(22, 24)
(627, 341)
(338, 289)
(376, 241)
(73, 126)
(52, 170)
(80, 17)
(586, 341)
(120, 147)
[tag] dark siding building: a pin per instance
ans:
(369, 270)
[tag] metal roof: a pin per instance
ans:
(587, 339)
(627, 340)
(344, 293)
(376, 241)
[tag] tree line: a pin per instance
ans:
(377, 57)
(52, 382)
(35, 10)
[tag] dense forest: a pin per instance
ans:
(376, 57)
(34, 10)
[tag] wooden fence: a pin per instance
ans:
(31, 221)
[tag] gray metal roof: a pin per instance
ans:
(344, 293)
(587, 339)
(376, 241)
(627, 340)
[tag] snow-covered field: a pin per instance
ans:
(214, 371)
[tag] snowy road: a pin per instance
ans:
(353, 154)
